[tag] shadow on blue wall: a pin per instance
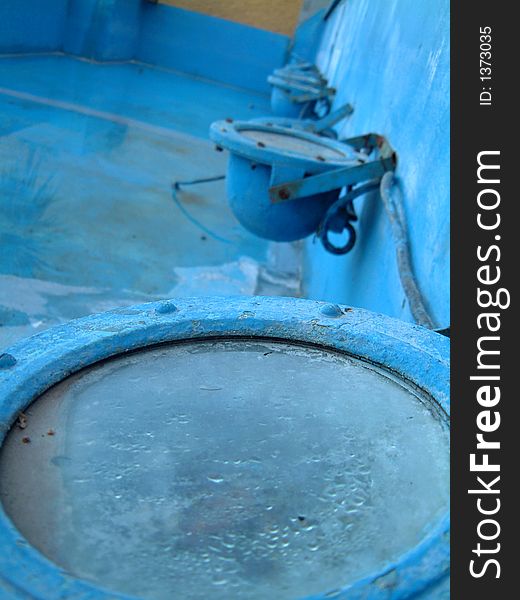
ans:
(391, 61)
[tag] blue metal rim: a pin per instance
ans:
(305, 71)
(299, 78)
(35, 364)
(299, 124)
(229, 136)
(285, 122)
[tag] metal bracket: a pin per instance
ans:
(385, 160)
(331, 119)
(300, 91)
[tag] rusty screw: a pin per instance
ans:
(22, 420)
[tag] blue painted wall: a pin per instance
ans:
(391, 60)
(210, 47)
(103, 29)
(306, 39)
(32, 25)
(113, 30)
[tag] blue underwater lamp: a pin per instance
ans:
(185, 449)
(299, 90)
(284, 183)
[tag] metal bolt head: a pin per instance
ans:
(331, 310)
(7, 361)
(166, 308)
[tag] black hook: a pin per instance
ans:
(339, 218)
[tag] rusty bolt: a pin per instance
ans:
(22, 420)
(284, 194)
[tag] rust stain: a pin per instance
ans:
(22, 420)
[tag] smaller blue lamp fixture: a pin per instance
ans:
(300, 91)
(284, 184)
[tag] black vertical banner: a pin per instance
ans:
(485, 167)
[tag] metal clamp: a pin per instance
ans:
(340, 215)
(335, 179)
(339, 218)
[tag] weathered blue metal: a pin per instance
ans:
(339, 217)
(321, 126)
(303, 73)
(409, 352)
(274, 145)
(331, 180)
(298, 90)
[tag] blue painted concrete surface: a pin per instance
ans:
(88, 153)
(391, 61)
(395, 73)
(210, 47)
(120, 30)
(129, 129)
(104, 30)
(153, 95)
(32, 25)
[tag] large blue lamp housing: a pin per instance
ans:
(281, 181)
(158, 412)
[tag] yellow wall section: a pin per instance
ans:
(274, 15)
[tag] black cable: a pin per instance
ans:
(404, 263)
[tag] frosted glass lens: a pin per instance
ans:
(226, 469)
